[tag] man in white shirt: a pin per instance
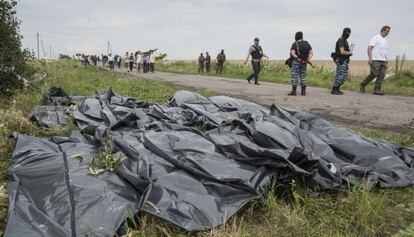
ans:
(111, 61)
(377, 59)
(139, 61)
(152, 62)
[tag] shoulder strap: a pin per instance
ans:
(297, 48)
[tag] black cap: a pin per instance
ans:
(256, 39)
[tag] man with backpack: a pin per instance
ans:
(256, 52)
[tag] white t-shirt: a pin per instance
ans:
(110, 58)
(138, 58)
(152, 58)
(380, 47)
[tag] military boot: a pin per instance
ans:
(362, 88)
(335, 91)
(339, 90)
(377, 91)
(303, 91)
(293, 92)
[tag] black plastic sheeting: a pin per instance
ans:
(51, 193)
(50, 116)
(193, 162)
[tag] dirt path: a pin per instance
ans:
(390, 113)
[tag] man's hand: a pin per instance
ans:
(245, 62)
(369, 61)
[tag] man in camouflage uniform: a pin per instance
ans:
(201, 61)
(343, 54)
(208, 62)
(221, 58)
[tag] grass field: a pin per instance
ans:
(353, 212)
(321, 76)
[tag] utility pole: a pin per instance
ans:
(38, 54)
(108, 48)
(50, 52)
(43, 48)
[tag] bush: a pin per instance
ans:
(12, 57)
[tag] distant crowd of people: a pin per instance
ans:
(143, 61)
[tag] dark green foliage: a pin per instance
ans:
(12, 57)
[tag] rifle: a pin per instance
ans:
(307, 62)
(310, 63)
(300, 59)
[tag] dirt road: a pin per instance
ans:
(390, 113)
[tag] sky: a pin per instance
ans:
(185, 28)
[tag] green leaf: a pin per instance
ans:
(95, 172)
(79, 159)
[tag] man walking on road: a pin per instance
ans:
(342, 54)
(111, 61)
(256, 52)
(377, 59)
(221, 58)
(152, 62)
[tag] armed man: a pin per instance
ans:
(301, 52)
(221, 58)
(342, 56)
(201, 61)
(256, 52)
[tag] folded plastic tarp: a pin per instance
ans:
(196, 161)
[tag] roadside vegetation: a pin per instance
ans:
(401, 83)
(300, 212)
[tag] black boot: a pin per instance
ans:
(293, 92)
(335, 91)
(377, 91)
(362, 88)
(303, 91)
(338, 88)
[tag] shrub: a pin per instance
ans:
(12, 57)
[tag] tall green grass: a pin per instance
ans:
(353, 212)
(319, 76)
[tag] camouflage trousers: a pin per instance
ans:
(341, 75)
(298, 70)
